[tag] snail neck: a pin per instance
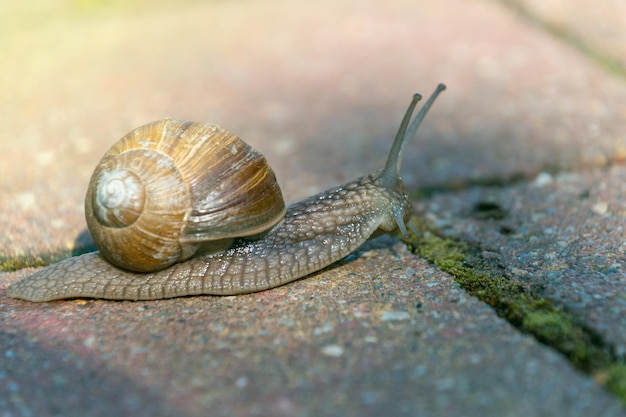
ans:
(389, 177)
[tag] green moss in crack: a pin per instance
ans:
(557, 329)
(456, 258)
(616, 380)
(521, 305)
(13, 263)
(36, 260)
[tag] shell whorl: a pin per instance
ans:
(118, 198)
(168, 187)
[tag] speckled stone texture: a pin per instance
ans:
(319, 88)
(386, 334)
(566, 233)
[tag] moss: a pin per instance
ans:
(36, 260)
(522, 305)
(558, 330)
(616, 379)
(8, 264)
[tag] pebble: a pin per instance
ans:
(395, 315)
(601, 207)
(333, 350)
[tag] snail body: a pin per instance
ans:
(269, 251)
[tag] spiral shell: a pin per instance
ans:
(169, 187)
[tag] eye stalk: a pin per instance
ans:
(391, 172)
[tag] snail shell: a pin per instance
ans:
(170, 187)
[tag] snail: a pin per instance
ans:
(149, 252)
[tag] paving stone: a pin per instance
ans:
(319, 88)
(566, 233)
(384, 333)
(598, 26)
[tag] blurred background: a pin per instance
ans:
(318, 87)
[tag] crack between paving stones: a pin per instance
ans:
(38, 260)
(522, 305)
(84, 244)
(562, 33)
(500, 180)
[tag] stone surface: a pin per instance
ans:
(598, 26)
(299, 83)
(319, 88)
(383, 334)
(566, 233)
